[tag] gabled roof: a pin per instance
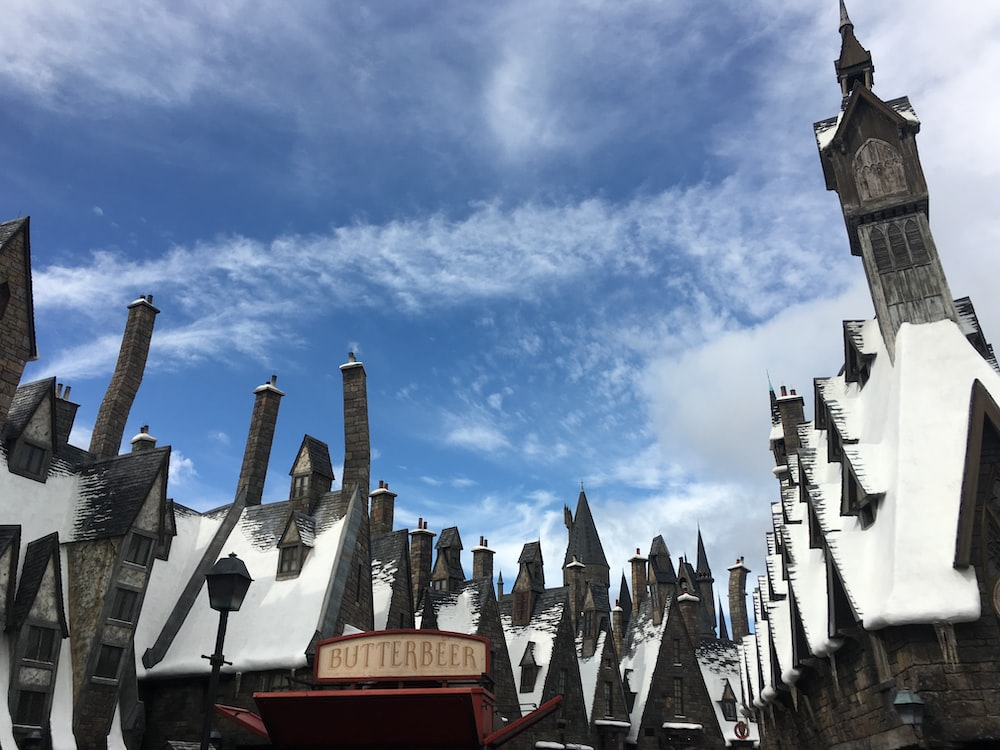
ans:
(449, 538)
(10, 540)
(37, 557)
(549, 611)
(25, 402)
(390, 568)
(584, 541)
(318, 454)
(719, 662)
(640, 654)
(660, 563)
(112, 493)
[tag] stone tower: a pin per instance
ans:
(267, 399)
(869, 157)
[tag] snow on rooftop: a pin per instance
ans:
(383, 574)
(460, 611)
(589, 668)
(278, 619)
(641, 653)
(826, 129)
(719, 662)
(542, 632)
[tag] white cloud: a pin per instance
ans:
(182, 470)
(98, 211)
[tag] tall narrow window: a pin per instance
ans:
(124, 605)
(918, 251)
(31, 705)
(678, 696)
(881, 251)
(289, 561)
(897, 245)
(138, 550)
(40, 644)
(108, 661)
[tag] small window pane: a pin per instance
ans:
(31, 706)
(918, 251)
(139, 549)
(124, 605)
(108, 661)
(40, 644)
(900, 257)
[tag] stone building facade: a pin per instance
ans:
(878, 619)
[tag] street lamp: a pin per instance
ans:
(228, 581)
(909, 706)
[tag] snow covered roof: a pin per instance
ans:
(719, 662)
(641, 650)
(548, 612)
(590, 667)
(458, 611)
(388, 568)
(279, 619)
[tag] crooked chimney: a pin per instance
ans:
(65, 414)
(357, 440)
(113, 414)
(640, 582)
(738, 600)
(258, 450)
(421, 556)
(383, 507)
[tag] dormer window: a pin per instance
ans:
(855, 501)
(290, 560)
(300, 486)
(529, 668)
(30, 460)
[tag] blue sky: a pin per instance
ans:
(568, 240)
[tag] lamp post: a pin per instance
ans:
(228, 581)
(909, 706)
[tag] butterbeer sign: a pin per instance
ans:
(402, 655)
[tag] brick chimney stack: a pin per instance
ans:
(383, 507)
(258, 449)
(65, 414)
(618, 628)
(791, 409)
(110, 425)
(357, 440)
(640, 588)
(143, 441)
(421, 556)
(690, 612)
(738, 600)
(482, 560)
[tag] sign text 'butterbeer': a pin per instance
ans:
(401, 655)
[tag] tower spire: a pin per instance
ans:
(855, 62)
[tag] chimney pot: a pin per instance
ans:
(351, 357)
(784, 391)
(66, 393)
(59, 387)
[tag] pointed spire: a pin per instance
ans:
(702, 570)
(584, 541)
(723, 631)
(855, 62)
(845, 20)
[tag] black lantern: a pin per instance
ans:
(909, 706)
(228, 581)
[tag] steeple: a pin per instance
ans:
(703, 570)
(855, 62)
(585, 543)
(869, 156)
(723, 631)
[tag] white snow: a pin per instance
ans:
(719, 662)
(382, 577)
(640, 656)
(278, 618)
(542, 632)
(589, 667)
(460, 613)
(682, 725)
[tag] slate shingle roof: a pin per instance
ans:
(319, 456)
(26, 400)
(584, 541)
(113, 491)
(36, 560)
(9, 228)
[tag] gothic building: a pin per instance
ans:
(877, 619)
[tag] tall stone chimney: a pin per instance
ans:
(738, 600)
(640, 588)
(258, 450)
(383, 507)
(574, 573)
(357, 441)
(421, 556)
(618, 628)
(691, 614)
(482, 560)
(113, 414)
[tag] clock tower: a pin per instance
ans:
(869, 156)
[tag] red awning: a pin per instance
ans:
(408, 718)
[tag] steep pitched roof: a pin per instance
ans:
(703, 570)
(390, 569)
(37, 557)
(22, 407)
(548, 613)
(318, 454)
(457, 611)
(719, 662)
(584, 541)
(640, 653)
(660, 563)
(8, 229)
(112, 493)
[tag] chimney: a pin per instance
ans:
(690, 610)
(482, 560)
(258, 450)
(421, 555)
(65, 414)
(357, 442)
(618, 624)
(111, 417)
(639, 581)
(791, 409)
(738, 600)
(143, 441)
(383, 504)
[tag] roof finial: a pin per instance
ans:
(845, 20)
